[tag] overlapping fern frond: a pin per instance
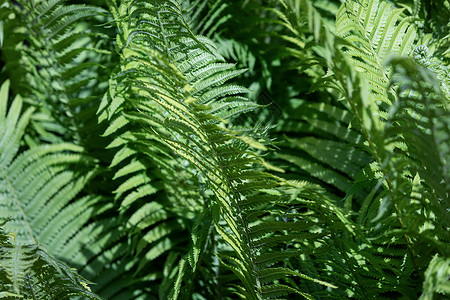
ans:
(59, 68)
(379, 210)
(319, 141)
(178, 100)
(143, 158)
(419, 121)
(28, 272)
(35, 191)
(375, 29)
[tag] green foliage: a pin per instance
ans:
(220, 149)
(28, 272)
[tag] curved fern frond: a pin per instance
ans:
(423, 115)
(178, 101)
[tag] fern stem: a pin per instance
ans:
(245, 227)
(30, 285)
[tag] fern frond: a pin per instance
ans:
(376, 29)
(28, 271)
(52, 64)
(160, 92)
(422, 113)
(436, 278)
(34, 184)
(386, 206)
(139, 155)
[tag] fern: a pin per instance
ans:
(210, 149)
(365, 108)
(197, 137)
(377, 30)
(54, 63)
(28, 271)
(37, 178)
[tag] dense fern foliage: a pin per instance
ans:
(210, 149)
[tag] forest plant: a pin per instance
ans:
(28, 272)
(142, 159)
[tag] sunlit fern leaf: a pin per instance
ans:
(437, 278)
(376, 29)
(164, 100)
(143, 165)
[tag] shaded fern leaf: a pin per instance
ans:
(52, 64)
(36, 187)
(28, 271)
